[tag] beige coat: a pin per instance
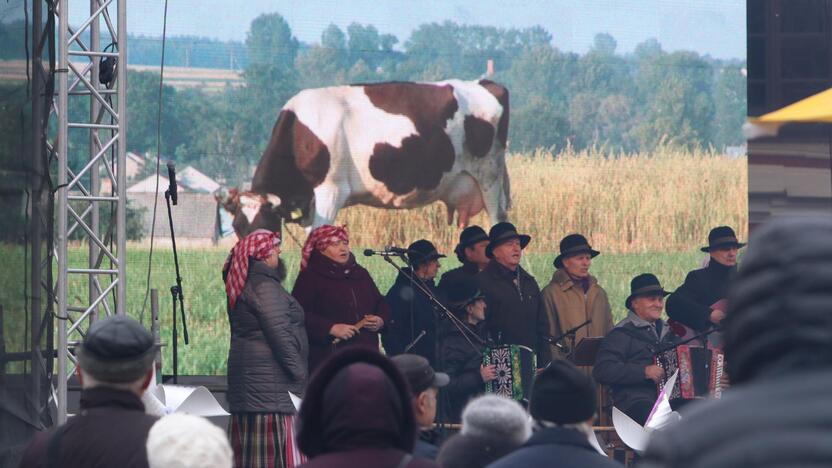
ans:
(567, 307)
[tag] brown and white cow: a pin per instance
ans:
(394, 145)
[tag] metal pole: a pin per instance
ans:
(121, 176)
(35, 206)
(156, 329)
(95, 44)
(63, 127)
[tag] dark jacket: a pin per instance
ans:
(555, 447)
(622, 357)
(411, 312)
(782, 421)
(452, 277)
(462, 363)
(268, 353)
(333, 293)
(357, 413)
(515, 313)
(111, 430)
(691, 303)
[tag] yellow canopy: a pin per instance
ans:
(817, 108)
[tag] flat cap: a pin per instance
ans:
(117, 349)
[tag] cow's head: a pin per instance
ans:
(252, 211)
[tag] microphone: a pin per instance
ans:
(387, 252)
(172, 178)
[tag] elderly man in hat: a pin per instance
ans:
(625, 358)
(413, 315)
(515, 311)
(777, 348)
(424, 390)
(699, 303)
(563, 407)
(471, 253)
(574, 296)
(115, 366)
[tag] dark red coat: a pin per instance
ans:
(332, 293)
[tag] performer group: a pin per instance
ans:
(486, 325)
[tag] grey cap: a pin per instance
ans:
(418, 373)
(117, 349)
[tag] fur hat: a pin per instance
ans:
(185, 441)
(492, 416)
(492, 427)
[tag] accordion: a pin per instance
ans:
(515, 366)
(700, 371)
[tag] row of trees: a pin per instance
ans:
(625, 102)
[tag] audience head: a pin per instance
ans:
(575, 256)
(357, 398)
(562, 395)
(779, 316)
(723, 245)
(424, 386)
(646, 297)
(492, 427)
(471, 248)
(505, 245)
(117, 352)
(424, 258)
(187, 441)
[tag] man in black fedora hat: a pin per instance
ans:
(574, 295)
(515, 311)
(699, 303)
(412, 314)
(115, 366)
(625, 358)
(471, 253)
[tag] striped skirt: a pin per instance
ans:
(264, 440)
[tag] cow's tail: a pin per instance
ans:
(506, 189)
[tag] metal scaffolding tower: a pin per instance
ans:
(91, 104)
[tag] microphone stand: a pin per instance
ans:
(569, 333)
(176, 294)
(704, 334)
(457, 323)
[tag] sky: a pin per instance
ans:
(713, 27)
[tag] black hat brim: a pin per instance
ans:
(524, 241)
(661, 292)
(708, 248)
(559, 259)
(468, 300)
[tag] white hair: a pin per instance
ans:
(187, 441)
(492, 416)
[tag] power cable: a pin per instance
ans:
(158, 162)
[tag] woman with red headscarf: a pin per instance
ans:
(267, 357)
(342, 303)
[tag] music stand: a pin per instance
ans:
(586, 350)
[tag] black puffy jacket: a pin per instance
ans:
(268, 353)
